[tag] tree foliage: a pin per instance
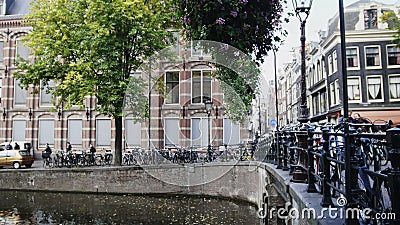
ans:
(393, 22)
(252, 26)
(91, 47)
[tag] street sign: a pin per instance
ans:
(272, 122)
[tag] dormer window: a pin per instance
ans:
(370, 19)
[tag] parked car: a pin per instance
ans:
(16, 158)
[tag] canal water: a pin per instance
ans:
(18, 207)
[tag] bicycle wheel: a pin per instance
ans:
(98, 161)
(109, 159)
(383, 155)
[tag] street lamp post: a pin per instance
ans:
(209, 106)
(300, 174)
(302, 11)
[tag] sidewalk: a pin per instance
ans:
(309, 201)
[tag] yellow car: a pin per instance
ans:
(15, 158)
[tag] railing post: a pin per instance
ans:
(351, 174)
(276, 144)
(291, 153)
(310, 156)
(393, 143)
(279, 151)
(300, 170)
(285, 151)
(326, 189)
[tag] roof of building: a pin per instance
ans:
(354, 14)
(17, 7)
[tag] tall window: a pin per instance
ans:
(337, 91)
(354, 89)
(335, 63)
(171, 132)
(231, 132)
(172, 87)
(22, 50)
(199, 132)
(370, 19)
(133, 133)
(374, 88)
(394, 86)
(315, 101)
(372, 56)
(19, 94)
(332, 91)
(393, 55)
(103, 133)
(201, 86)
(352, 58)
(75, 132)
(45, 95)
(330, 65)
(46, 132)
(323, 101)
(18, 130)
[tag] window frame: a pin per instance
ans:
(51, 142)
(98, 130)
(359, 89)
(201, 85)
(381, 88)
(16, 83)
(75, 145)
(334, 62)
(165, 131)
(13, 130)
(357, 57)
(126, 134)
(179, 87)
(223, 128)
(370, 22)
(390, 97)
(209, 137)
(397, 53)
(42, 91)
(379, 57)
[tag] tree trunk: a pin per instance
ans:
(118, 140)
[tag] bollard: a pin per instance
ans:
(311, 171)
(326, 189)
(393, 144)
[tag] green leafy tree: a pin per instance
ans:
(252, 26)
(91, 48)
(393, 22)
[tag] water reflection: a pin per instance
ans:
(66, 208)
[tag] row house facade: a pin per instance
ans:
(372, 62)
(178, 119)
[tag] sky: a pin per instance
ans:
(321, 12)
